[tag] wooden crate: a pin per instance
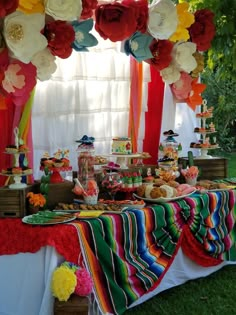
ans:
(76, 305)
(214, 168)
(13, 202)
(61, 192)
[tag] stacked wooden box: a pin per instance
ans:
(13, 202)
(76, 305)
(213, 168)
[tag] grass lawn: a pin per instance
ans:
(213, 295)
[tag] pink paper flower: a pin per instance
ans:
(84, 284)
(182, 87)
(18, 81)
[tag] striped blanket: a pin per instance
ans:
(128, 254)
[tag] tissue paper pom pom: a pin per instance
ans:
(84, 282)
(63, 283)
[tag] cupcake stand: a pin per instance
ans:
(205, 145)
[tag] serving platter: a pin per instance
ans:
(51, 218)
(163, 199)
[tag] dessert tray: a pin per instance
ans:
(163, 199)
(48, 218)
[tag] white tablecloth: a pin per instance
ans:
(25, 280)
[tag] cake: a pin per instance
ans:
(121, 145)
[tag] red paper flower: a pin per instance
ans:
(161, 50)
(142, 13)
(202, 31)
(88, 7)
(7, 7)
(60, 36)
(118, 21)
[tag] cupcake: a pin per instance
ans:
(23, 148)
(11, 148)
(17, 170)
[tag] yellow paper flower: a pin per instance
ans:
(185, 20)
(63, 283)
(31, 6)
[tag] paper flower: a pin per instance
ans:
(183, 56)
(36, 200)
(170, 74)
(63, 283)
(88, 7)
(31, 6)
(161, 54)
(202, 31)
(64, 10)
(200, 64)
(60, 36)
(84, 283)
(191, 172)
(163, 19)
(182, 87)
(185, 20)
(194, 99)
(119, 20)
(17, 79)
(20, 31)
(7, 7)
(82, 37)
(138, 46)
(45, 64)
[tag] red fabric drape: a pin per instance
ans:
(153, 116)
(6, 123)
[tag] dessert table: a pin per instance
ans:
(131, 256)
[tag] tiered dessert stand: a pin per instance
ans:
(205, 145)
(17, 177)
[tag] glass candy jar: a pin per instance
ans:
(86, 159)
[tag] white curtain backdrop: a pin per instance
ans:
(87, 95)
(180, 118)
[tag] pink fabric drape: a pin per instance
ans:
(153, 116)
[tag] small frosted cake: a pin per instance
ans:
(121, 145)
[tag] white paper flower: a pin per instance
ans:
(163, 19)
(65, 10)
(22, 35)
(183, 56)
(45, 63)
(170, 74)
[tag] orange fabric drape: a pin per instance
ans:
(136, 77)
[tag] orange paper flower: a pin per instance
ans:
(195, 98)
(36, 200)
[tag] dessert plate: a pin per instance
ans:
(162, 199)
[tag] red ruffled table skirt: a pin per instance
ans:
(17, 237)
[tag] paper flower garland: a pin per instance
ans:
(69, 278)
(33, 33)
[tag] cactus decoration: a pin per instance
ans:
(44, 185)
